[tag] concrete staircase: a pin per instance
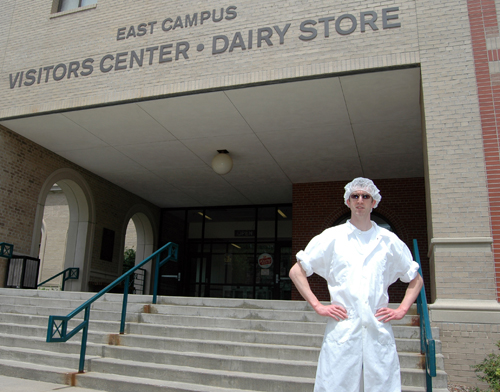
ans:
(182, 344)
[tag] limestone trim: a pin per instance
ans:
(459, 242)
(465, 311)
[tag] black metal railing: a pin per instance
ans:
(22, 272)
(139, 282)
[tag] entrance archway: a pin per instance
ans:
(81, 223)
(54, 234)
(141, 218)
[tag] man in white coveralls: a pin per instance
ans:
(359, 260)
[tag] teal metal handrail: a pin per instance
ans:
(58, 325)
(427, 343)
(68, 273)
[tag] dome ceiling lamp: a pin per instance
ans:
(222, 162)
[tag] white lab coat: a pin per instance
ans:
(359, 267)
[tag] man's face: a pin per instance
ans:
(360, 203)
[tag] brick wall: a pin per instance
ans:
(317, 206)
(486, 47)
(465, 345)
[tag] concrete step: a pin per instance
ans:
(183, 344)
(246, 331)
(413, 377)
(254, 365)
(216, 378)
(221, 377)
(317, 328)
(241, 380)
(42, 321)
(39, 372)
(224, 359)
(238, 313)
(55, 311)
(260, 365)
(32, 356)
(227, 308)
(41, 332)
(122, 383)
(34, 336)
(219, 322)
(71, 295)
(38, 343)
(100, 331)
(158, 327)
(218, 347)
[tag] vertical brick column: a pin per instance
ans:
(486, 49)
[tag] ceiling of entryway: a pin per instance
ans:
(325, 129)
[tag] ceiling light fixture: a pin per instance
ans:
(222, 162)
(281, 213)
(203, 215)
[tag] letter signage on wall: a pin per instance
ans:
(308, 30)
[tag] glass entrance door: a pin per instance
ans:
(265, 266)
(272, 266)
(243, 270)
(231, 270)
(284, 286)
(233, 252)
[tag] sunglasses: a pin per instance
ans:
(364, 197)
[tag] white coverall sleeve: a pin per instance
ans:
(314, 258)
(411, 273)
(406, 269)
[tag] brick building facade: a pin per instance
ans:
(124, 104)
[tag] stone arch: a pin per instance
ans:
(334, 216)
(399, 227)
(81, 223)
(146, 238)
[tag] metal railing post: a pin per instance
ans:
(157, 278)
(64, 280)
(83, 348)
(124, 304)
(427, 343)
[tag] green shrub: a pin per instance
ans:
(488, 371)
(128, 259)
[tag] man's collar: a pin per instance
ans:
(351, 228)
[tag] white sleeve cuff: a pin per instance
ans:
(303, 259)
(411, 273)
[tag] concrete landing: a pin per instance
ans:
(12, 384)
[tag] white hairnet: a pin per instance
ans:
(362, 184)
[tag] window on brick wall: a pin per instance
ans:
(66, 5)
